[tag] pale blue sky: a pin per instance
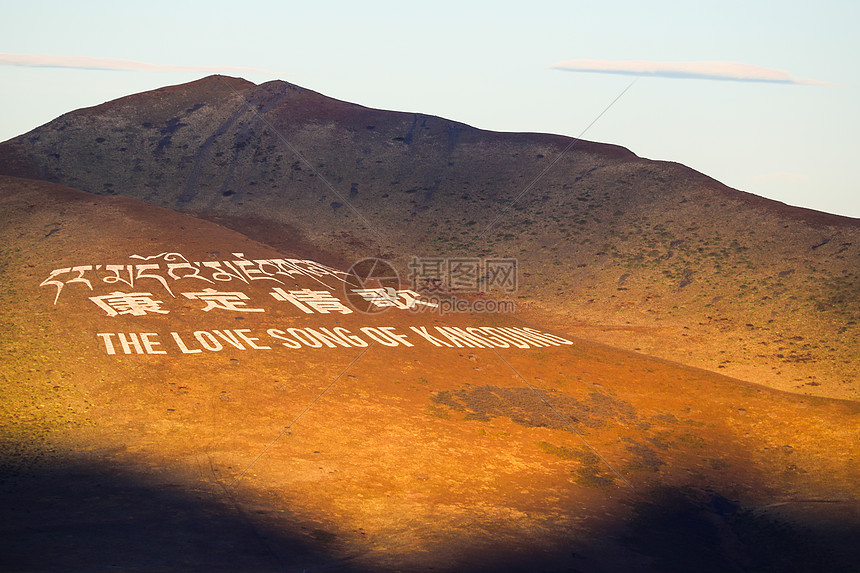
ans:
(489, 65)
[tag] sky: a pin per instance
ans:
(763, 96)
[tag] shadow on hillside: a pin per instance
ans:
(680, 530)
(76, 516)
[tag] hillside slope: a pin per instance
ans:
(644, 255)
(243, 443)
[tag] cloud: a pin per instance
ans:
(726, 71)
(86, 63)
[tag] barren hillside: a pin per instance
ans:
(644, 255)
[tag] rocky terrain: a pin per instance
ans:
(643, 255)
(192, 380)
(244, 443)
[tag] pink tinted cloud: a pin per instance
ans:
(87, 63)
(726, 71)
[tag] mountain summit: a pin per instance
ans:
(645, 255)
(241, 403)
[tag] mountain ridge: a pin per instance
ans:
(642, 254)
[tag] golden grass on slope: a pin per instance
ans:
(380, 458)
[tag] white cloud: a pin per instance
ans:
(86, 63)
(727, 71)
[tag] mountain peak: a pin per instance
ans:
(602, 236)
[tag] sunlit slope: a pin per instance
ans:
(640, 254)
(397, 448)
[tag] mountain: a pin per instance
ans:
(644, 255)
(161, 409)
